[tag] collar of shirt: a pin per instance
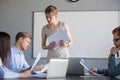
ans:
(16, 50)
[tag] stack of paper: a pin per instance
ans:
(60, 34)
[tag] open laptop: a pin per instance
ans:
(74, 67)
(56, 69)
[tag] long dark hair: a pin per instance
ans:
(4, 47)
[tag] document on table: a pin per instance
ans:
(36, 60)
(88, 69)
(60, 34)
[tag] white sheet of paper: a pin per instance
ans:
(88, 69)
(0, 62)
(60, 34)
(36, 60)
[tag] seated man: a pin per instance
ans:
(17, 62)
(4, 53)
(113, 69)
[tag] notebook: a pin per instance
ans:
(74, 67)
(56, 69)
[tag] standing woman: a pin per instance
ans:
(5, 51)
(49, 29)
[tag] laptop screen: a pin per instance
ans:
(74, 67)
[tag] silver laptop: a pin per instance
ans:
(74, 67)
(56, 69)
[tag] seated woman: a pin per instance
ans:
(5, 51)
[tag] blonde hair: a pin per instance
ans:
(51, 10)
(23, 35)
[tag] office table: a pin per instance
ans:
(70, 78)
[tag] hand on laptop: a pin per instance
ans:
(43, 69)
(38, 67)
(91, 70)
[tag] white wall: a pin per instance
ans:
(91, 32)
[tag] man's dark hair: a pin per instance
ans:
(116, 30)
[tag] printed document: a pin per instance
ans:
(60, 34)
(88, 69)
(36, 60)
